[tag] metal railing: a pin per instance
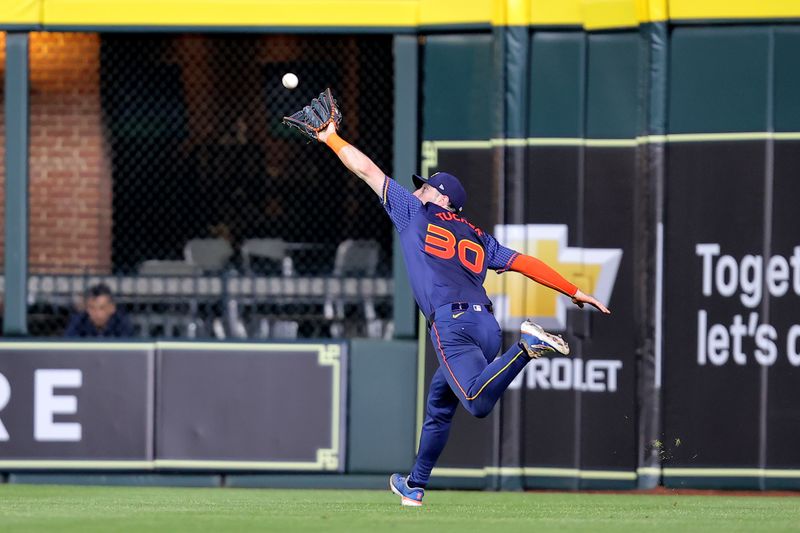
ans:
(227, 305)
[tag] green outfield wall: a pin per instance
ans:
(646, 149)
(673, 144)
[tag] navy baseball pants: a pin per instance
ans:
(466, 340)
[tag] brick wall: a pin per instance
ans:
(70, 178)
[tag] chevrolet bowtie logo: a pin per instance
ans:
(516, 297)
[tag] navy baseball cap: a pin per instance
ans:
(446, 184)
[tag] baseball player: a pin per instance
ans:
(447, 258)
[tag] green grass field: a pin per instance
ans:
(79, 508)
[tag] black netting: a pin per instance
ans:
(205, 215)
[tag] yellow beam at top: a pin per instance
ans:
(24, 12)
(444, 12)
(411, 14)
(269, 13)
(733, 9)
(512, 13)
(606, 14)
(553, 13)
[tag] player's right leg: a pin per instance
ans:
(463, 349)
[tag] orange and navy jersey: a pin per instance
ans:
(446, 255)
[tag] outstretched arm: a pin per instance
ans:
(580, 298)
(541, 273)
(354, 159)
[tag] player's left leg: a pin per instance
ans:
(441, 407)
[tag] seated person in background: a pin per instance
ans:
(101, 318)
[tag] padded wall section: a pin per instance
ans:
(783, 398)
(584, 86)
(556, 84)
(612, 97)
(728, 206)
(718, 79)
(700, 394)
(554, 177)
(458, 107)
(382, 406)
(731, 337)
(787, 79)
(458, 82)
(608, 429)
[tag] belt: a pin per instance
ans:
(460, 306)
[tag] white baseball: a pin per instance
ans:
(289, 80)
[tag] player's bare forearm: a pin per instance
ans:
(363, 167)
(580, 298)
(354, 159)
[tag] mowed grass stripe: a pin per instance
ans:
(78, 508)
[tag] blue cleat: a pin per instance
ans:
(408, 496)
(536, 341)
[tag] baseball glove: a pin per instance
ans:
(315, 117)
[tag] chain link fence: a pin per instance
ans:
(160, 168)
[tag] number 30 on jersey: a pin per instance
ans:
(441, 243)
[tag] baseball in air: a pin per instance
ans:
(289, 80)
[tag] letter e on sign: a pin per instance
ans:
(46, 404)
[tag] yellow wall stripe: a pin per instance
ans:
(615, 474)
(555, 12)
(458, 472)
(517, 13)
(533, 472)
(603, 14)
(443, 12)
(20, 11)
(238, 465)
(731, 472)
(392, 13)
(433, 146)
(551, 472)
(652, 10)
(590, 14)
(77, 464)
(733, 9)
(603, 474)
(648, 471)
